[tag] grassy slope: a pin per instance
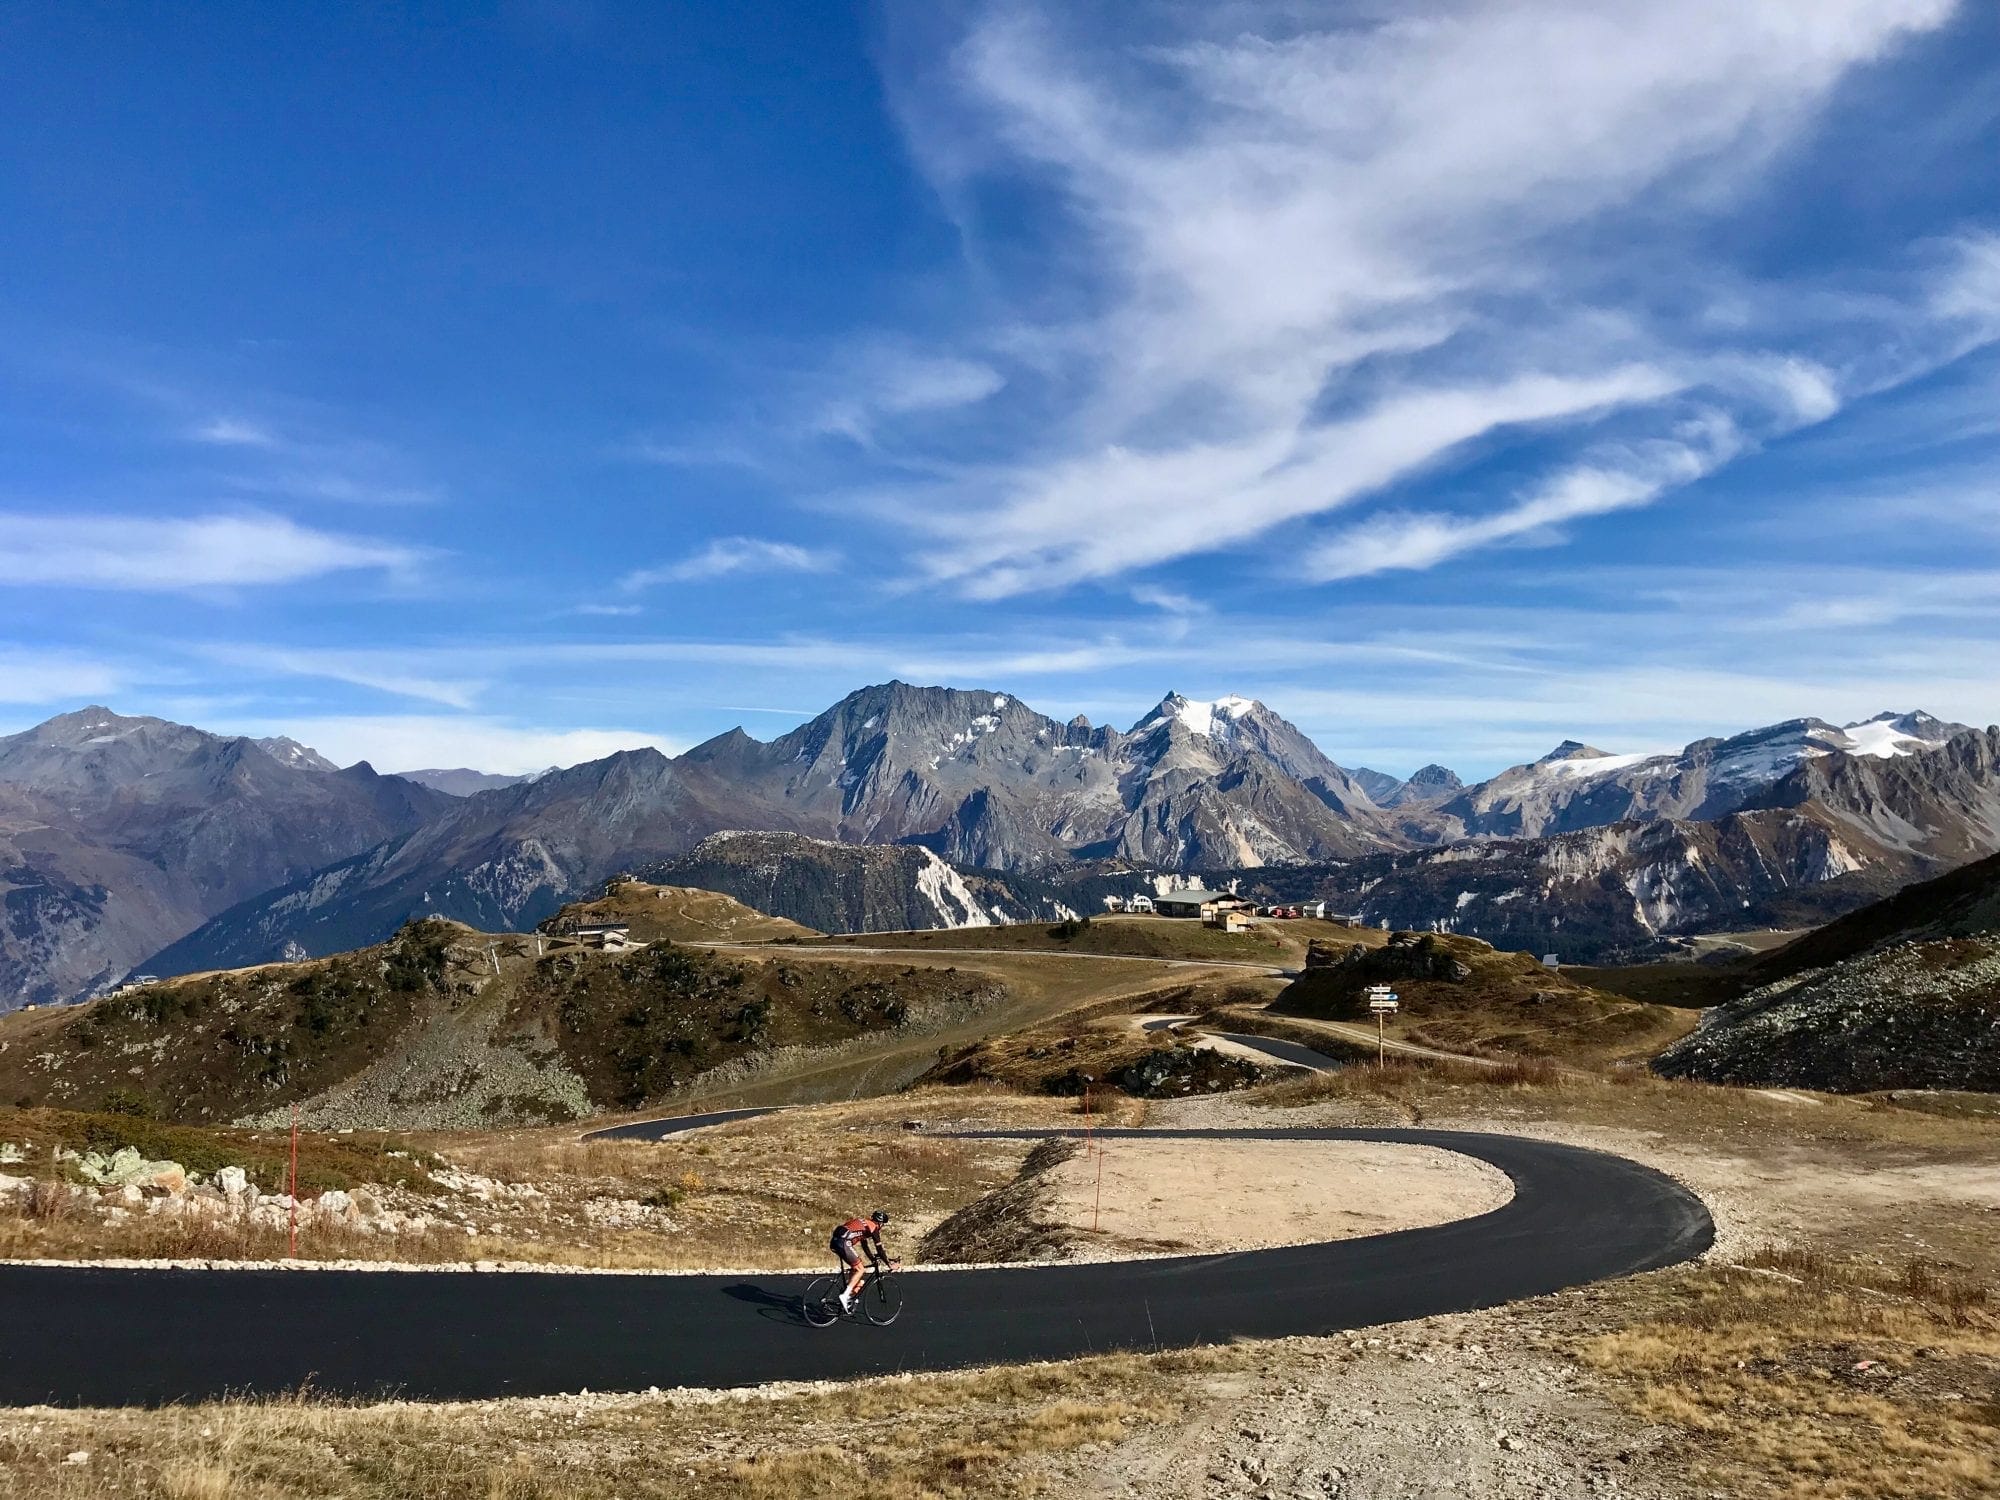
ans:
(1508, 1004)
(631, 1027)
(1960, 904)
(675, 914)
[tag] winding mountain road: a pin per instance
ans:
(78, 1335)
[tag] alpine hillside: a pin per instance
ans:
(1901, 994)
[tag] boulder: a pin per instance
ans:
(126, 1166)
(233, 1182)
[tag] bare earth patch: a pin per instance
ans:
(1190, 1196)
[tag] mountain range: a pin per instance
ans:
(118, 835)
(985, 810)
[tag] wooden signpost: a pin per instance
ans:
(1383, 1002)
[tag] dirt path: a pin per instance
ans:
(1365, 1036)
(1438, 1410)
(1183, 1197)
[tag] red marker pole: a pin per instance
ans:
(1097, 1203)
(293, 1195)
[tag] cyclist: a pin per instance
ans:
(850, 1241)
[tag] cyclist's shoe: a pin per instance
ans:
(847, 1302)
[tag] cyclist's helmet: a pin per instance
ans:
(879, 1217)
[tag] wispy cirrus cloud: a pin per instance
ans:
(392, 672)
(152, 554)
(1324, 253)
(729, 555)
(885, 383)
(232, 432)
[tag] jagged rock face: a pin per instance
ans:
(1797, 821)
(119, 834)
(977, 779)
(986, 781)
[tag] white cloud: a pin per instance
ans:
(1121, 509)
(421, 742)
(1970, 287)
(615, 610)
(1378, 207)
(895, 383)
(169, 556)
(54, 677)
(730, 555)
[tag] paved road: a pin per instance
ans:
(1274, 971)
(118, 1337)
(659, 1130)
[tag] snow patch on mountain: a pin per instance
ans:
(945, 889)
(1886, 736)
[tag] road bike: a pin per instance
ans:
(880, 1299)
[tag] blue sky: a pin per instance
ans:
(562, 376)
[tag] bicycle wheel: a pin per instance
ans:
(820, 1306)
(882, 1300)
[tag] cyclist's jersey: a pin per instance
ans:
(857, 1229)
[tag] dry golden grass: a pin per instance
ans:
(1437, 1090)
(956, 1437)
(1803, 1375)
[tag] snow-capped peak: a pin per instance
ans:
(1212, 718)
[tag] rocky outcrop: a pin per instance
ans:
(1916, 1016)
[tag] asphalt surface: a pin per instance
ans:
(1272, 1047)
(85, 1336)
(659, 1130)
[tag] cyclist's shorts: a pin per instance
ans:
(846, 1249)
